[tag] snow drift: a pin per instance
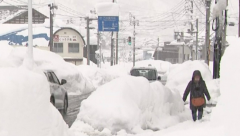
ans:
(130, 104)
(25, 108)
(46, 60)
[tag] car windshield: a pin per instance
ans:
(150, 74)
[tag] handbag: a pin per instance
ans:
(197, 102)
(200, 101)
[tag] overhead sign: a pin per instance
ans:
(108, 23)
(65, 38)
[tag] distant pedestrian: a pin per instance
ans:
(198, 90)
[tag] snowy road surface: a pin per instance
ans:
(74, 107)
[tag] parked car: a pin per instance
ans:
(148, 72)
(59, 95)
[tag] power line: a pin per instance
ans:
(69, 9)
(198, 8)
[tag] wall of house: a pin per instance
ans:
(65, 36)
(184, 49)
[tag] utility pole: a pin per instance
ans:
(197, 39)
(30, 36)
(88, 38)
(191, 15)
(157, 48)
(112, 51)
(134, 45)
(88, 41)
(134, 22)
(239, 20)
(117, 48)
(224, 30)
(52, 7)
(217, 46)
(206, 52)
(112, 46)
(191, 26)
(98, 47)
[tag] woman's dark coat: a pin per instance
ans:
(196, 90)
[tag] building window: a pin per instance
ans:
(58, 47)
(73, 48)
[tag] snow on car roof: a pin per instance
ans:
(148, 67)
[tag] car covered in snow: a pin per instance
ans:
(59, 95)
(148, 72)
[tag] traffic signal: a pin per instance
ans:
(129, 40)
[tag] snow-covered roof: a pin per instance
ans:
(177, 43)
(13, 15)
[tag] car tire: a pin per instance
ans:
(65, 106)
(52, 100)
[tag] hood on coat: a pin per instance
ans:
(197, 73)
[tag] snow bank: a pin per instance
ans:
(107, 9)
(131, 104)
(96, 75)
(46, 60)
(180, 75)
(25, 108)
(227, 111)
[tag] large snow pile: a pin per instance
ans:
(25, 108)
(131, 104)
(180, 75)
(96, 75)
(46, 60)
(228, 102)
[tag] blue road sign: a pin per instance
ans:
(108, 23)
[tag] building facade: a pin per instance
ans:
(174, 52)
(69, 44)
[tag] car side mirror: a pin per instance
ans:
(159, 78)
(63, 81)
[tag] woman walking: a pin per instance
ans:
(198, 90)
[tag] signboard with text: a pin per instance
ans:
(108, 23)
(65, 38)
